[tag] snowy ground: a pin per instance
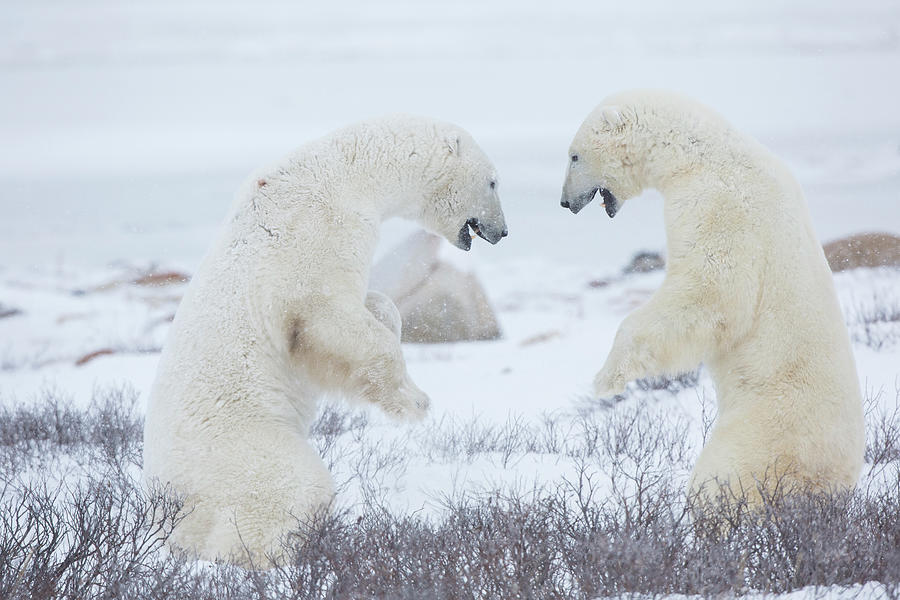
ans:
(127, 126)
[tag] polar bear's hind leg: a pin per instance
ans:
(243, 512)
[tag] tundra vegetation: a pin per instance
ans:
(76, 523)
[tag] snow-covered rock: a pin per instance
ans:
(863, 250)
(437, 301)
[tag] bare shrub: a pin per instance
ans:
(80, 540)
(672, 384)
(452, 439)
(52, 425)
(333, 423)
(875, 321)
(115, 426)
(621, 525)
(882, 431)
(484, 547)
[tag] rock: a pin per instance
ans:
(645, 262)
(150, 278)
(92, 355)
(437, 302)
(540, 338)
(8, 311)
(863, 250)
(448, 306)
(161, 278)
(406, 266)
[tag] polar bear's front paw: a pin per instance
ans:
(608, 384)
(408, 403)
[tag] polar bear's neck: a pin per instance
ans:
(339, 188)
(377, 168)
(667, 139)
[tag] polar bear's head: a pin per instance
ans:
(633, 140)
(461, 190)
(602, 161)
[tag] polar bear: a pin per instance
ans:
(278, 313)
(747, 292)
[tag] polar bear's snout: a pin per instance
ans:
(581, 200)
(491, 232)
(578, 202)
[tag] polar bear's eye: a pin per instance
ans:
(574, 158)
(493, 184)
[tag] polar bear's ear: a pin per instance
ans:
(612, 116)
(452, 143)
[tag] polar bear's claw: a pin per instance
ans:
(415, 402)
(407, 403)
(606, 386)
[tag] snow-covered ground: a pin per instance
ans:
(127, 127)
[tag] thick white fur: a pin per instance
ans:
(278, 312)
(747, 292)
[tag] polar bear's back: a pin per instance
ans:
(218, 354)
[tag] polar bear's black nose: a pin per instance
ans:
(504, 233)
(564, 203)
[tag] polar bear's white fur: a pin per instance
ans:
(747, 292)
(278, 313)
